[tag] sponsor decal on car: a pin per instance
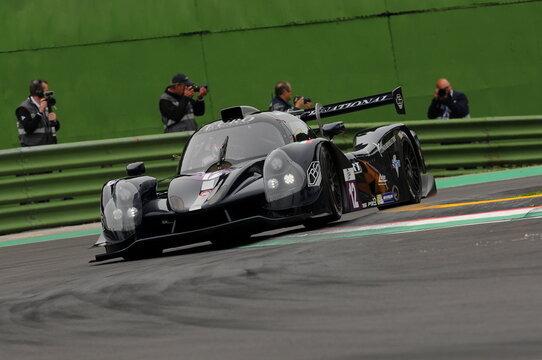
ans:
(370, 203)
(314, 175)
(383, 147)
(350, 104)
(349, 174)
(396, 164)
(382, 180)
(388, 198)
(357, 167)
(379, 199)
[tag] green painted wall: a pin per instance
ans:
(109, 61)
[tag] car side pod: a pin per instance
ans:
(429, 187)
(135, 169)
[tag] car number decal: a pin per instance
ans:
(353, 195)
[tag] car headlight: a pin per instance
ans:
(272, 183)
(289, 179)
(282, 176)
(122, 210)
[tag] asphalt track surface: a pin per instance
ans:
(464, 291)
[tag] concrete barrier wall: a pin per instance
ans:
(110, 60)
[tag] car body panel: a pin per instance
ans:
(252, 174)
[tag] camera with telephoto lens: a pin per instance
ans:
(197, 88)
(442, 92)
(51, 101)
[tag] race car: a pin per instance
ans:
(255, 170)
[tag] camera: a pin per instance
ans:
(305, 100)
(196, 88)
(51, 101)
(442, 92)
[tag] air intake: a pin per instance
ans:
(237, 112)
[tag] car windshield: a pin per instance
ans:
(245, 141)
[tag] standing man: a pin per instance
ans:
(177, 106)
(447, 103)
(283, 94)
(36, 121)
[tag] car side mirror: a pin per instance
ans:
(332, 129)
(135, 169)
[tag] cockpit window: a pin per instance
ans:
(299, 129)
(248, 140)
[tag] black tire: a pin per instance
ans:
(331, 191)
(412, 172)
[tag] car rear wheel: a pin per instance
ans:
(411, 174)
(331, 191)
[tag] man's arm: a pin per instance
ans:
(56, 125)
(459, 105)
(433, 111)
(199, 107)
(176, 113)
(24, 117)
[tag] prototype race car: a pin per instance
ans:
(253, 171)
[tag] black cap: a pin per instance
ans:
(181, 79)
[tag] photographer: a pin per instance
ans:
(283, 94)
(447, 103)
(36, 121)
(177, 106)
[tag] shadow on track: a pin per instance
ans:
(205, 247)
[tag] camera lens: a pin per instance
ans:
(441, 92)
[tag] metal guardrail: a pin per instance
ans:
(54, 185)
(57, 185)
(463, 146)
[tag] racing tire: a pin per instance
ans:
(331, 191)
(412, 172)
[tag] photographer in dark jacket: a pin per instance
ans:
(447, 103)
(177, 107)
(36, 122)
(283, 94)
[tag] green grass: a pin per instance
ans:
(533, 193)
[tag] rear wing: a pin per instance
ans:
(393, 97)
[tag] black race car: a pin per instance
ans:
(253, 171)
